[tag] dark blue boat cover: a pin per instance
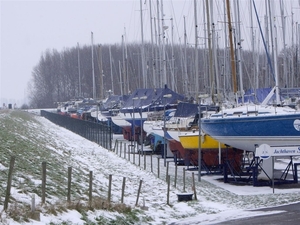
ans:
(151, 99)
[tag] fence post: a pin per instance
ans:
(9, 179)
(138, 195)
(168, 192)
(109, 188)
(43, 182)
(69, 183)
(167, 171)
(117, 148)
(175, 181)
(123, 189)
(183, 177)
(158, 167)
(128, 153)
(121, 148)
(139, 158)
(151, 158)
(194, 187)
(124, 151)
(145, 161)
(90, 187)
(116, 143)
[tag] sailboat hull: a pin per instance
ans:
(246, 132)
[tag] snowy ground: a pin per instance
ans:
(216, 201)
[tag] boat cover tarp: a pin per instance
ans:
(151, 99)
(185, 109)
(256, 95)
(113, 102)
(261, 94)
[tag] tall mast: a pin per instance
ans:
(186, 80)
(233, 69)
(152, 47)
(214, 49)
(93, 69)
(274, 39)
(196, 51)
(211, 70)
(79, 76)
(287, 83)
(125, 80)
(120, 73)
(111, 70)
(159, 46)
(239, 41)
(142, 49)
(163, 46)
(174, 87)
(101, 91)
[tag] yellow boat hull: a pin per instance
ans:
(192, 142)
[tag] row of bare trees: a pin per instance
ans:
(61, 76)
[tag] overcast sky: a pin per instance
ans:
(29, 28)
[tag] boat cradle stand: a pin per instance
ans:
(250, 174)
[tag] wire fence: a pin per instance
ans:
(101, 133)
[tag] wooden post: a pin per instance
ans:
(123, 189)
(139, 158)
(124, 151)
(194, 187)
(69, 183)
(9, 179)
(151, 158)
(33, 203)
(139, 191)
(121, 148)
(90, 187)
(109, 188)
(43, 182)
(168, 192)
(183, 177)
(145, 160)
(117, 148)
(157, 167)
(167, 171)
(128, 153)
(133, 156)
(116, 143)
(175, 181)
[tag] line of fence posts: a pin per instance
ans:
(193, 186)
(69, 185)
(115, 149)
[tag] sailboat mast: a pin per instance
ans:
(287, 83)
(101, 91)
(274, 40)
(111, 70)
(152, 47)
(79, 76)
(186, 80)
(93, 68)
(233, 69)
(142, 49)
(163, 45)
(159, 45)
(120, 74)
(196, 52)
(211, 69)
(173, 80)
(239, 49)
(214, 49)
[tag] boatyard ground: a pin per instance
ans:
(33, 140)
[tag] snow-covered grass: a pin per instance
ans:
(33, 140)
